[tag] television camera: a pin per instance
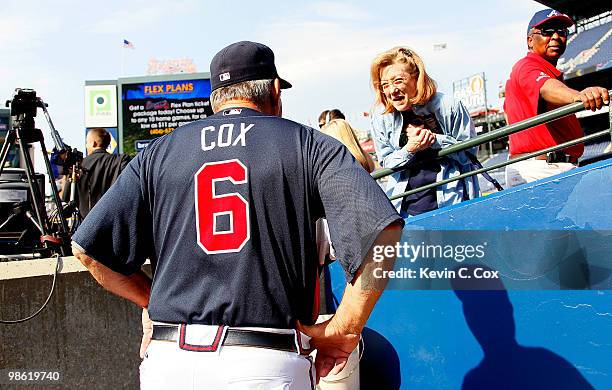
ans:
(25, 224)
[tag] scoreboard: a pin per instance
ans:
(146, 108)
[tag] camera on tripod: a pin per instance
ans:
(26, 226)
(23, 107)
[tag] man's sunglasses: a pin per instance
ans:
(549, 32)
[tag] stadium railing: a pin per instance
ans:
(497, 134)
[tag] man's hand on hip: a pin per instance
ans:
(147, 332)
(333, 345)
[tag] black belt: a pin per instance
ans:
(552, 157)
(560, 157)
(236, 337)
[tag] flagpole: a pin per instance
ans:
(122, 61)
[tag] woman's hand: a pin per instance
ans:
(419, 138)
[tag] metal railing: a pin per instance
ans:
(497, 134)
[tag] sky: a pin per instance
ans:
(323, 48)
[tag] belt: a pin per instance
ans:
(552, 157)
(236, 337)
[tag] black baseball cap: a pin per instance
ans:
(243, 61)
(545, 15)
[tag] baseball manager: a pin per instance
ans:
(225, 209)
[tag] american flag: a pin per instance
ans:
(439, 46)
(127, 44)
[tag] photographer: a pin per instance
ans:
(99, 171)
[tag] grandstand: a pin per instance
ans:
(589, 48)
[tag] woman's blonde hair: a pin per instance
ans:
(343, 132)
(425, 85)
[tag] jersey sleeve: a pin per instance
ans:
(117, 231)
(356, 208)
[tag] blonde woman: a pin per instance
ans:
(329, 115)
(343, 132)
(412, 120)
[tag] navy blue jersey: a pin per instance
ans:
(225, 208)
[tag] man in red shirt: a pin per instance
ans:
(536, 86)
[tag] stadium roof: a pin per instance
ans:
(578, 8)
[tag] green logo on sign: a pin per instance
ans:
(99, 102)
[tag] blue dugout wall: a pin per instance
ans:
(554, 338)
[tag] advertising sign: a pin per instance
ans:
(152, 109)
(100, 106)
(471, 92)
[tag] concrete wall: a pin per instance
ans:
(89, 335)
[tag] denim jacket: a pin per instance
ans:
(456, 125)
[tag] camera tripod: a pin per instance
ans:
(54, 234)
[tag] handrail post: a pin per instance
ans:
(610, 117)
